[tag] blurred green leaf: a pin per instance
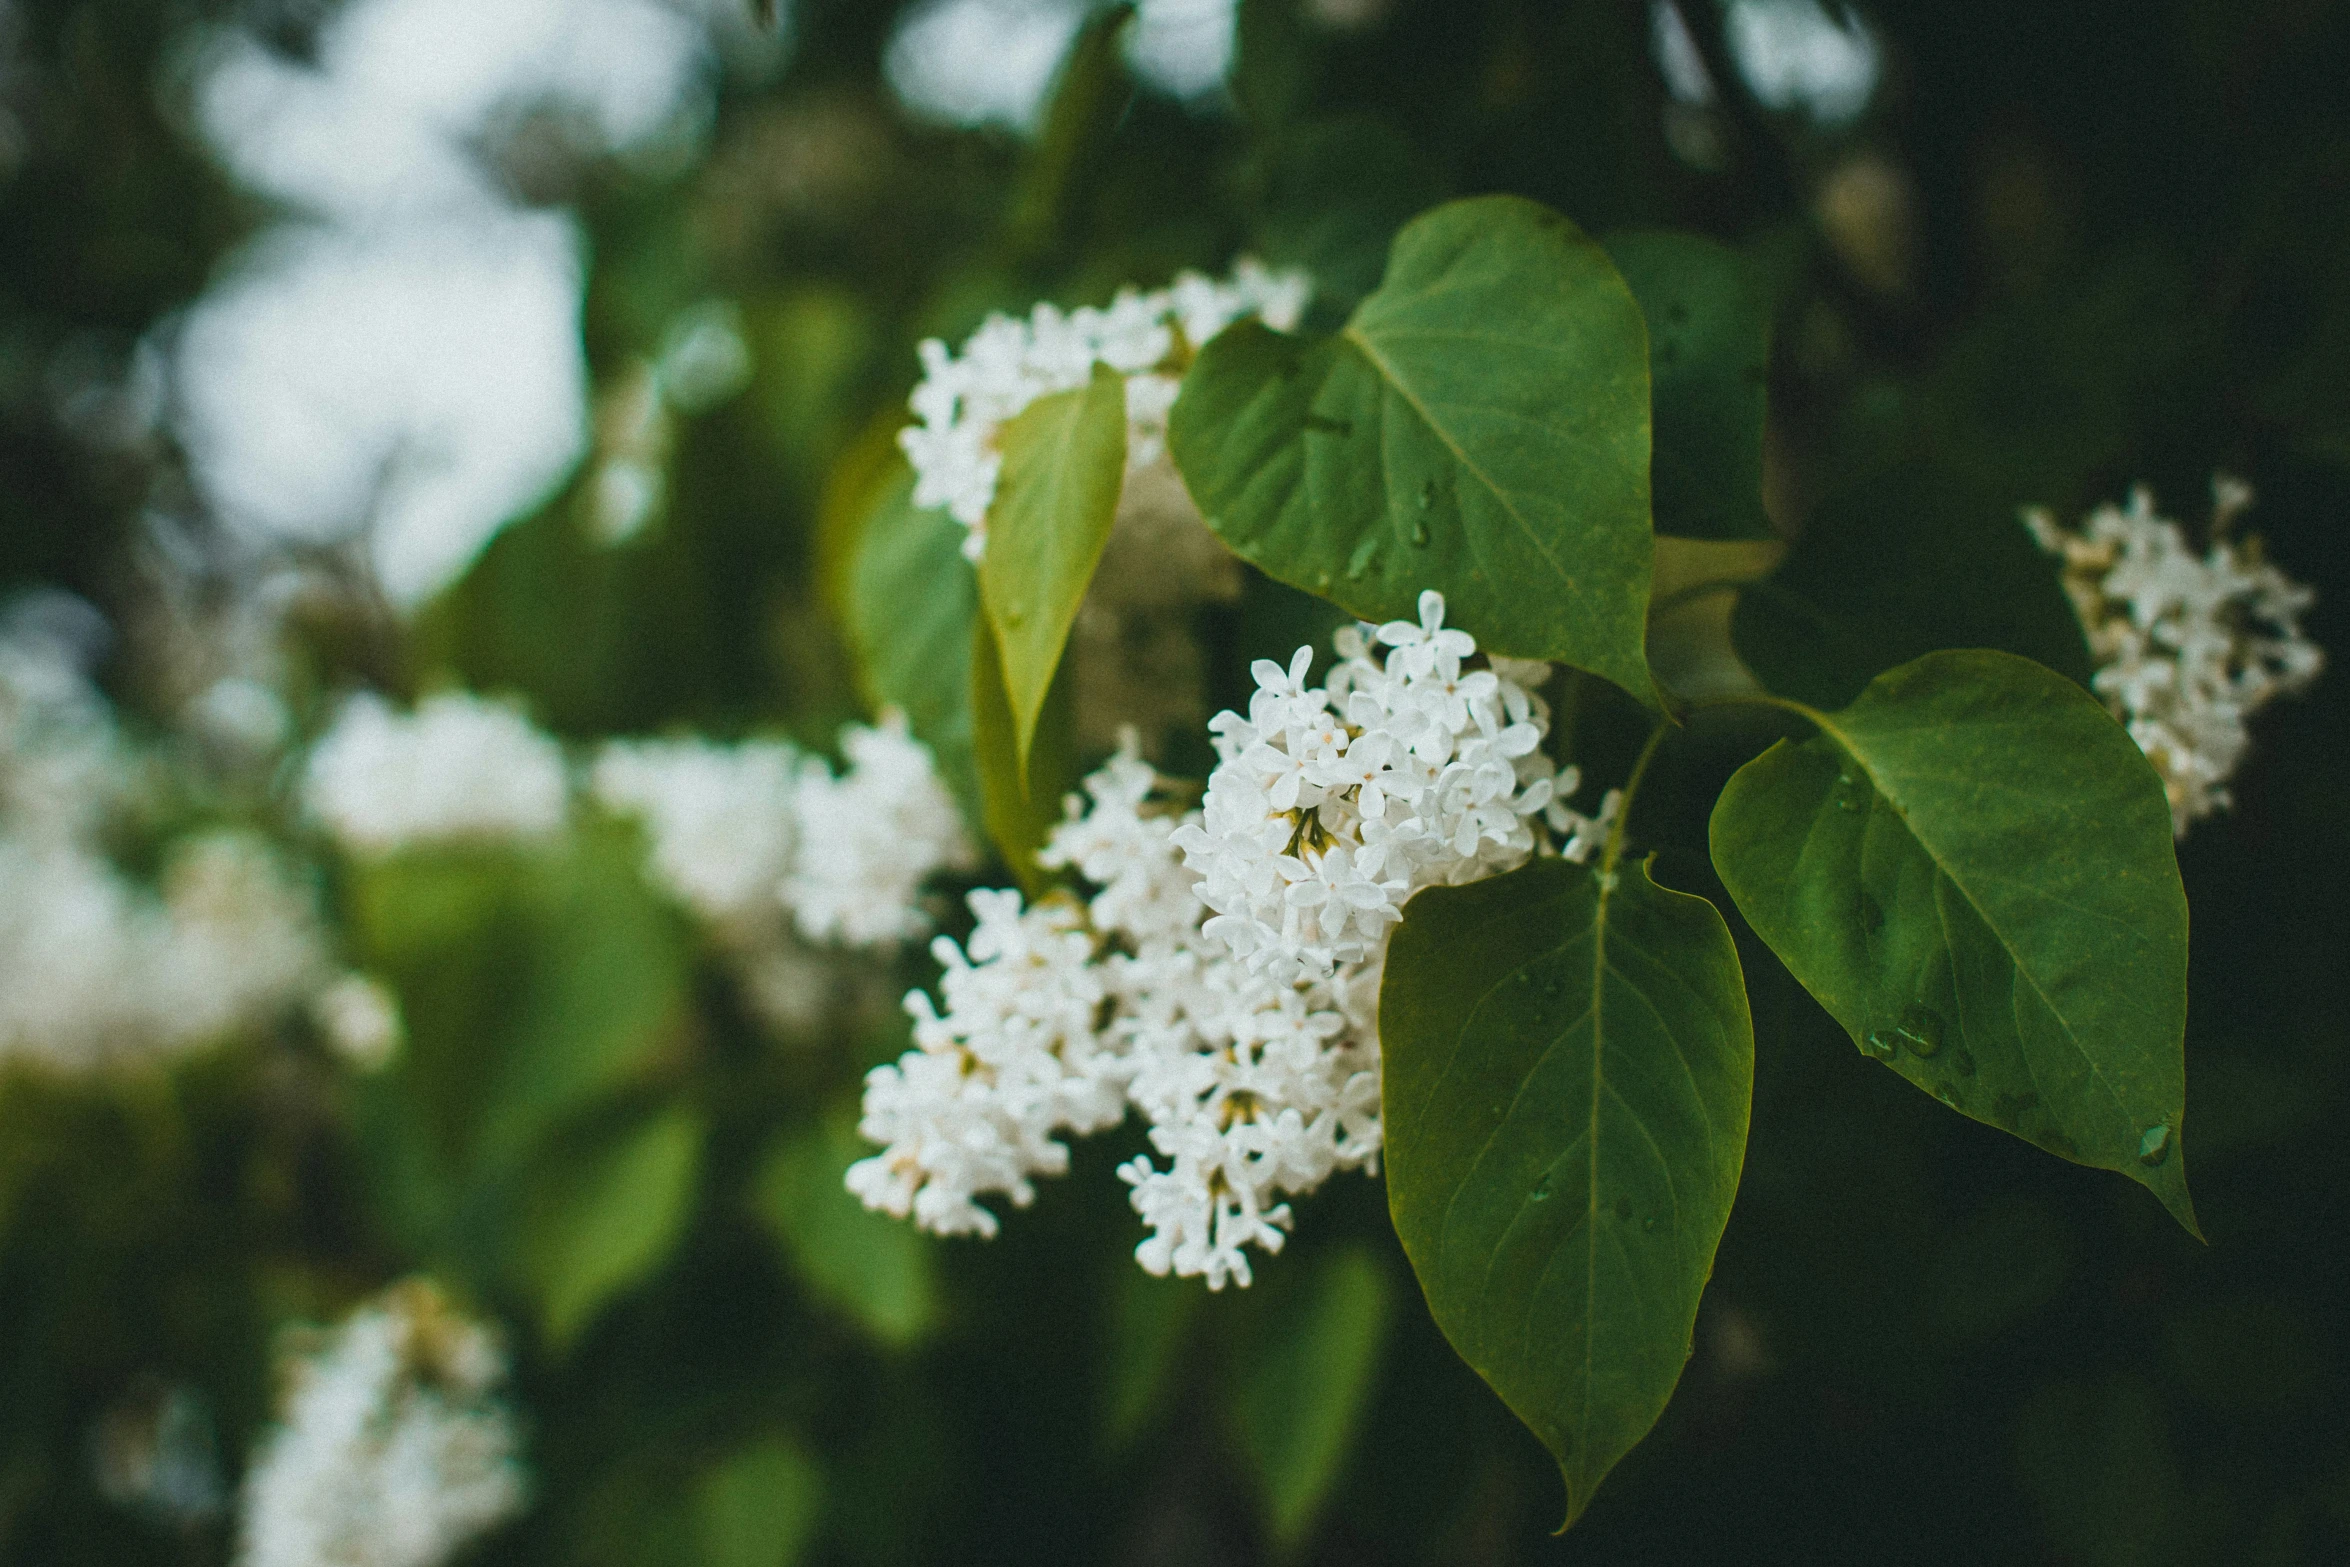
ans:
(873, 1269)
(1903, 563)
(602, 1212)
(1566, 1067)
(1089, 93)
(1150, 1321)
(1303, 1379)
(1330, 195)
(760, 1507)
(1971, 868)
(1479, 427)
(1709, 354)
(914, 602)
(601, 995)
(1064, 461)
(1019, 805)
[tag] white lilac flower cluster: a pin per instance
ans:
(964, 400)
(739, 832)
(2187, 646)
(1256, 1065)
(96, 968)
(1060, 1016)
(393, 1448)
(459, 769)
(1330, 806)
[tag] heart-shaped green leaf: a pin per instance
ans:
(1480, 426)
(1064, 462)
(1709, 353)
(1971, 867)
(1567, 1067)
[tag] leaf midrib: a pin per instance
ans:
(1388, 374)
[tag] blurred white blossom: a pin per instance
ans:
(719, 818)
(870, 837)
(98, 968)
(393, 1447)
(400, 362)
(458, 769)
(2187, 646)
(359, 1018)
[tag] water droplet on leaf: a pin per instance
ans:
(1878, 1045)
(1427, 494)
(2154, 1147)
(1920, 1028)
(1419, 533)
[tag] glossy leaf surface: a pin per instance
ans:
(1971, 868)
(1567, 1068)
(1479, 426)
(1064, 461)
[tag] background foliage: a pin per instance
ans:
(2066, 249)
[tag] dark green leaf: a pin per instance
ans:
(1567, 1064)
(1971, 868)
(1303, 1380)
(601, 1216)
(913, 600)
(1064, 461)
(1019, 806)
(1479, 427)
(1709, 353)
(1907, 562)
(873, 1269)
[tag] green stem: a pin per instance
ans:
(1615, 834)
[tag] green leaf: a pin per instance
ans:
(760, 1506)
(1303, 1380)
(601, 1216)
(601, 995)
(1709, 354)
(1019, 805)
(1971, 867)
(1567, 1064)
(913, 600)
(871, 1268)
(1904, 563)
(1064, 461)
(1480, 427)
(1150, 1320)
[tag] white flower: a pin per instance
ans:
(870, 838)
(392, 1448)
(360, 1020)
(721, 818)
(2187, 647)
(459, 769)
(963, 401)
(1331, 806)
